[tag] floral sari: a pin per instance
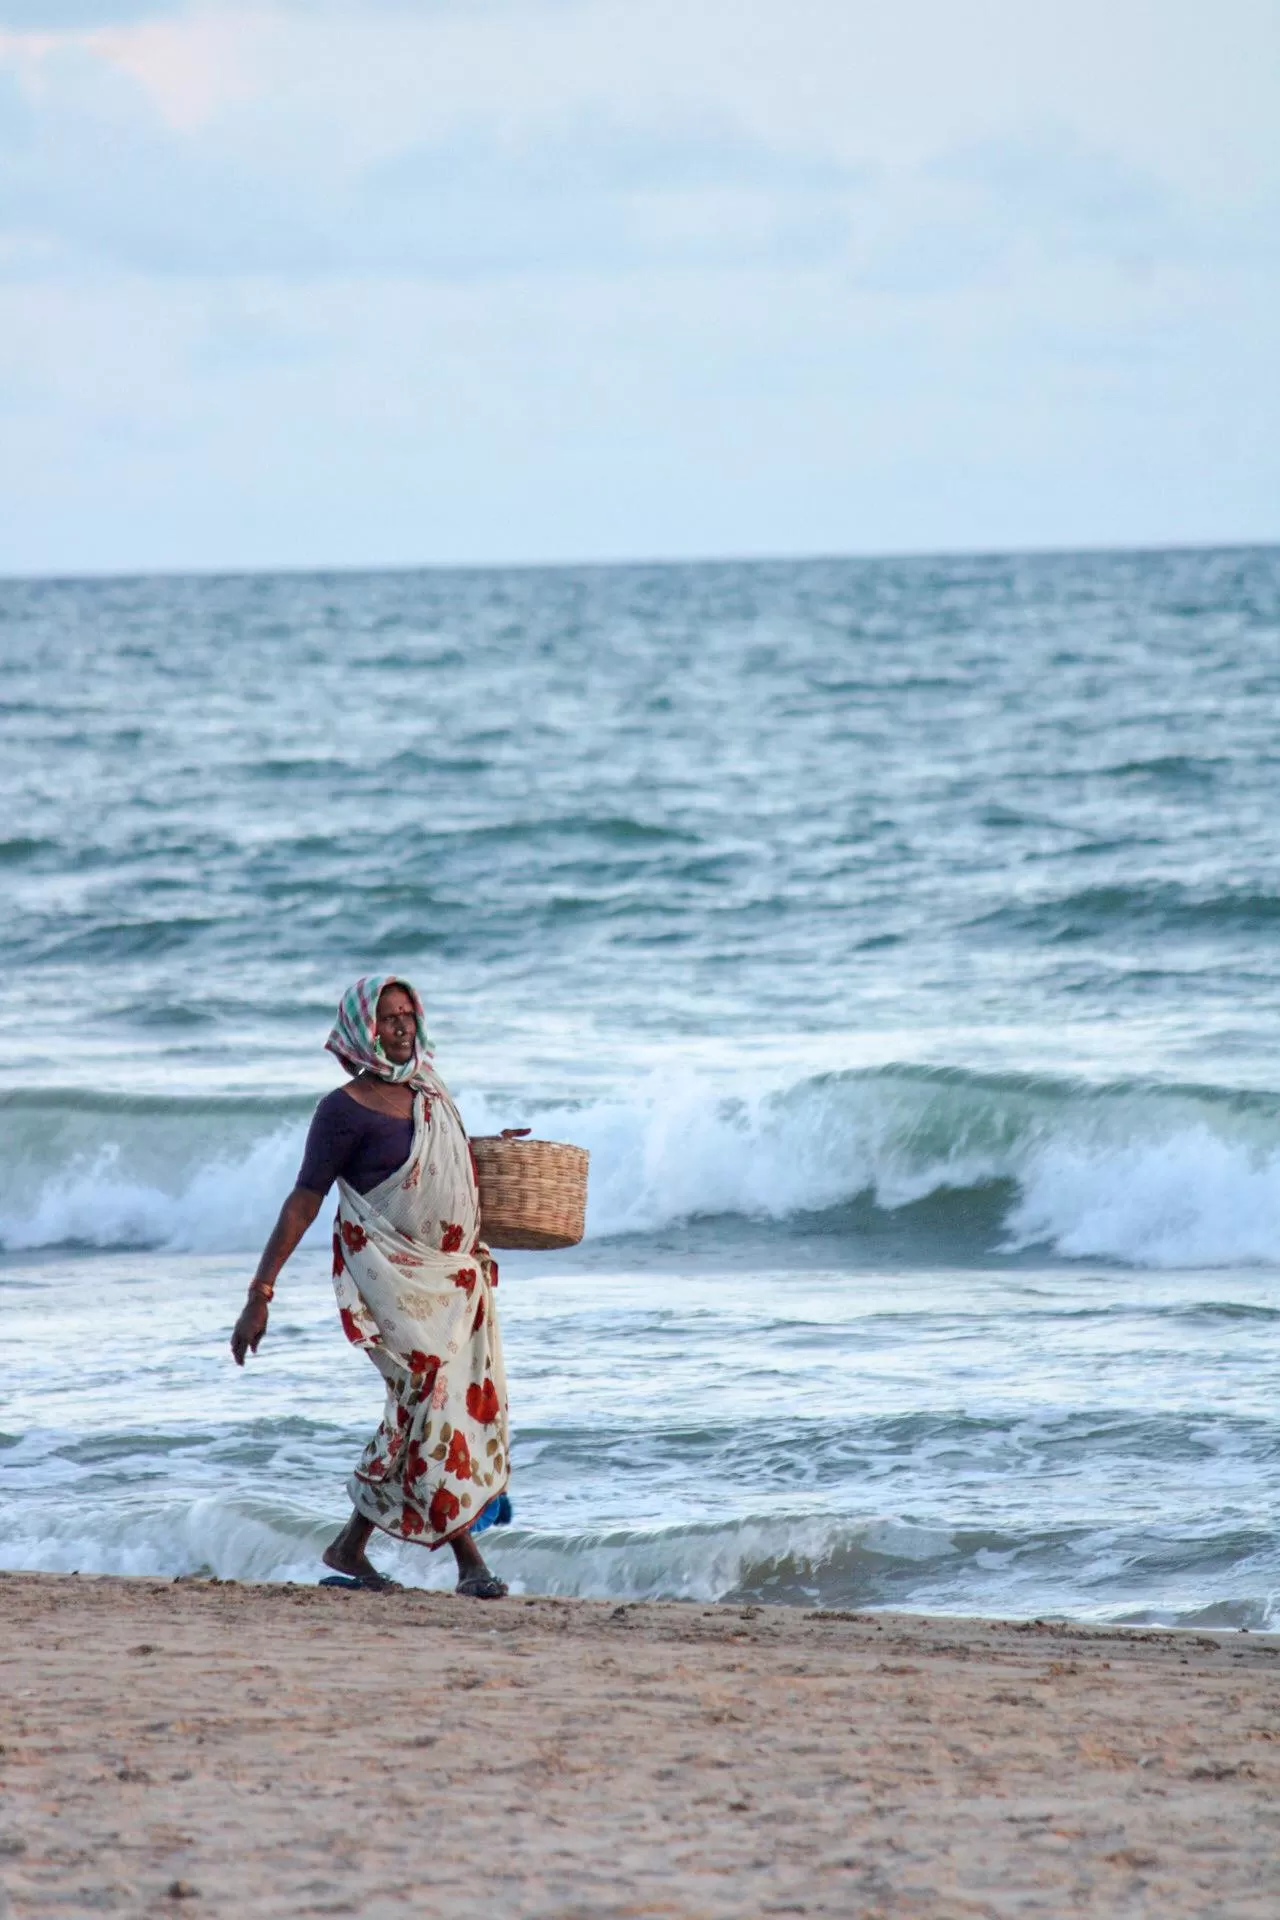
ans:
(415, 1289)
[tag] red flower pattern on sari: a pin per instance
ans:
(422, 1488)
(482, 1402)
(445, 1506)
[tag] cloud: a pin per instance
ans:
(224, 198)
(395, 279)
(593, 149)
(81, 16)
(593, 191)
(268, 184)
(1057, 188)
(17, 122)
(984, 212)
(52, 16)
(93, 174)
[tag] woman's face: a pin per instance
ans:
(397, 1025)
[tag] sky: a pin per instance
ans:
(406, 282)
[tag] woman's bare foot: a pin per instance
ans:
(475, 1581)
(347, 1554)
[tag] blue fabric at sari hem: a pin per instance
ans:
(496, 1514)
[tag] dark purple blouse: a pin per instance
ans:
(347, 1139)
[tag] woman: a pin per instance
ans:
(414, 1286)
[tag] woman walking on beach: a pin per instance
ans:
(414, 1285)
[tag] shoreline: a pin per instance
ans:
(276, 1750)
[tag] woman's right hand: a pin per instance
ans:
(296, 1215)
(249, 1328)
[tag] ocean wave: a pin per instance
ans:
(956, 1165)
(1134, 1174)
(1165, 907)
(815, 1560)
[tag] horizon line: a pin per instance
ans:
(298, 570)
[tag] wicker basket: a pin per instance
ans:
(533, 1193)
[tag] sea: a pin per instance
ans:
(902, 937)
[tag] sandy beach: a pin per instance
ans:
(273, 1750)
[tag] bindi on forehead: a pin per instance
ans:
(391, 1005)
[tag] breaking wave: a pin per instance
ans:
(958, 1164)
(805, 1561)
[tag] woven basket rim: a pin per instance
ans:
(534, 1197)
(496, 1141)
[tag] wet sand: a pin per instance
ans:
(251, 1751)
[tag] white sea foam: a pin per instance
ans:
(226, 1204)
(1143, 1177)
(806, 1560)
(213, 1535)
(1140, 1176)
(1192, 1199)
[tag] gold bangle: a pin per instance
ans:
(263, 1293)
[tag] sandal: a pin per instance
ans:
(482, 1586)
(363, 1582)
